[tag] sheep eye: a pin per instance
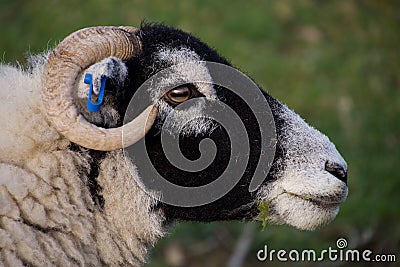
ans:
(179, 94)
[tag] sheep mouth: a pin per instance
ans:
(319, 201)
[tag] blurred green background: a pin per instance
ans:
(337, 63)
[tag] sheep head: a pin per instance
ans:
(304, 176)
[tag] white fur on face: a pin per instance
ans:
(186, 67)
(305, 195)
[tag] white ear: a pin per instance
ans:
(112, 68)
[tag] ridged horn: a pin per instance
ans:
(65, 63)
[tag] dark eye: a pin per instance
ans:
(179, 94)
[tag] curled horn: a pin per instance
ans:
(73, 55)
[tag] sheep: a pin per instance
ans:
(71, 195)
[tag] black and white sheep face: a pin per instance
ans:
(307, 180)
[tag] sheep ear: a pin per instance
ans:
(66, 62)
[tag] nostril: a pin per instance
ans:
(337, 170)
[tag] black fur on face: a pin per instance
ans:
(236, 204)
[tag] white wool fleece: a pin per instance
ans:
(47, 217)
